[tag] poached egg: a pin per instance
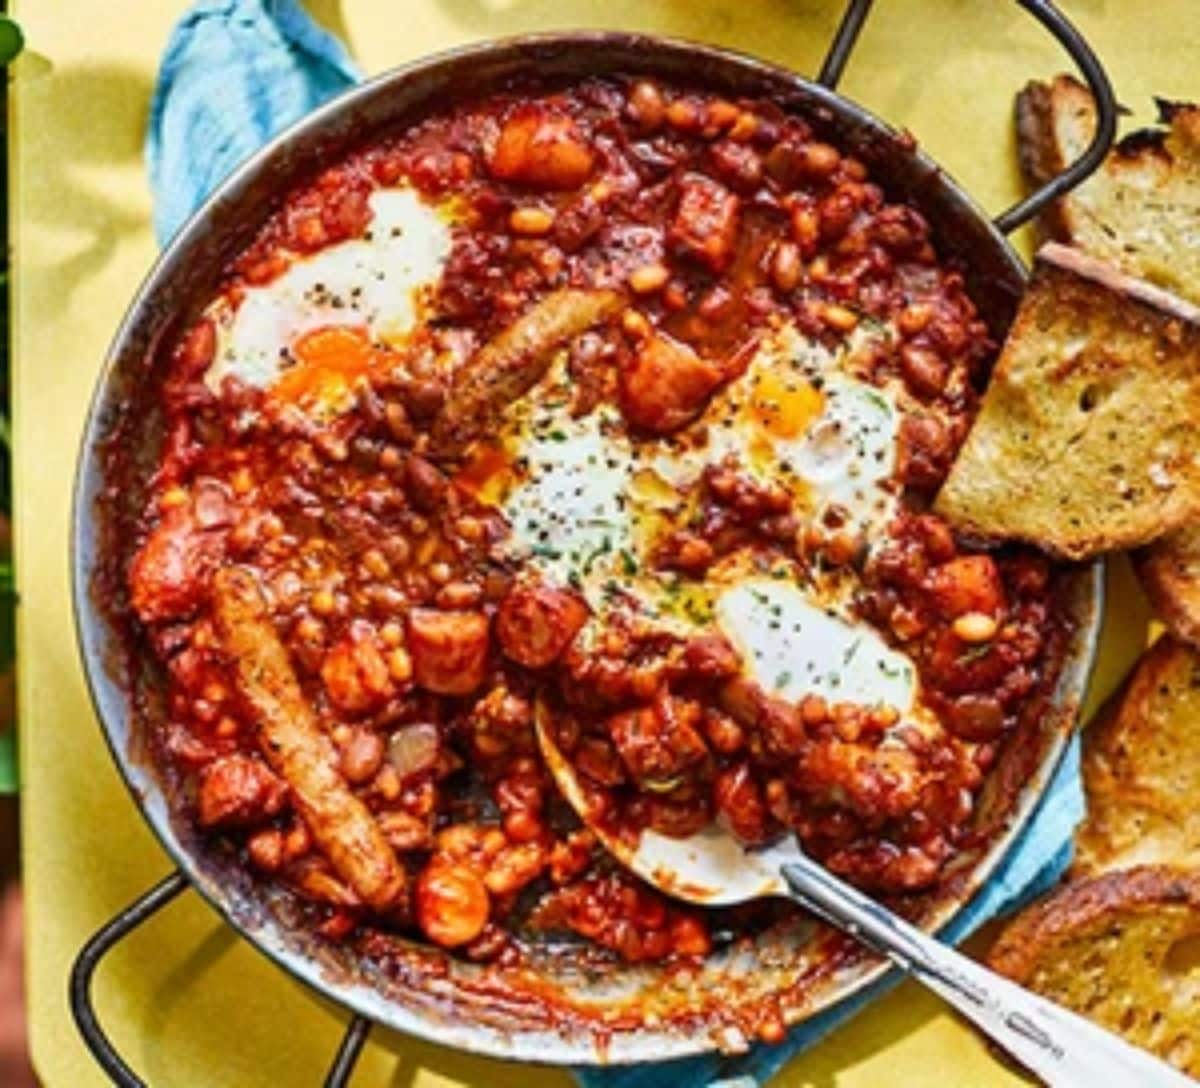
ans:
(309, 332)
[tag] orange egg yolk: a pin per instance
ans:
(328, 363)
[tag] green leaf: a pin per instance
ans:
(8, 761)
(12, 41)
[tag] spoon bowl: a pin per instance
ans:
(710, 868)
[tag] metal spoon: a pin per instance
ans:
(714, 869)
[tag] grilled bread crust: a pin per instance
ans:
(1087, 438)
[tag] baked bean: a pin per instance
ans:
(522, 826)
(646, 105)
(362, 756)
(924, 370)
(836, 213)
(975, 627)
(785, 266)
(532, 221)
(818, 161)
(424, 482)
(265, 849)
(452, 903)
(648, 278)
(514, 867)
(745, 128)
(682, 113)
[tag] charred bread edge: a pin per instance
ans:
(1078, 263)
(1038, 152)
(1084, 902)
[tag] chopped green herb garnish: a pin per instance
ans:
(974, 654)
(603, 548)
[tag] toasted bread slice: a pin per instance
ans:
(1141, 210)
(1141, 768)
(1122, 950)
(1169, 570)
(1088, 435)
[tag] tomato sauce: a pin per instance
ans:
(422, 646)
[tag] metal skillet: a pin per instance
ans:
(568, 1016)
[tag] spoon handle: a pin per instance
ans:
(1056, 1044)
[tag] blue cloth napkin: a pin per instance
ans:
(236, 72)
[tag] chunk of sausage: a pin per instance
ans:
(740, 804)
(711, 656)
(536, 623)
(511, 363)
(875, 783)
(449, 650)
(169, 575)
(296, 747)
(452, 903)
(238, 791)
(925, 450)
(970, 583)
(706, 221)
(666, 385)
(541, 148)
(354, 672)
(658, 743)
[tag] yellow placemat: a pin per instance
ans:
(187, 1002)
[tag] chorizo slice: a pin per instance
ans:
(666, 385)
(513, 361)
(659, 743)
(706, 221)
(296, 748)
(536, 623)
(449, 649)
(170, 572)
(970, 583)
(238, 791)
(541, 148)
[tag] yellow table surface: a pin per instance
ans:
(187, 1002)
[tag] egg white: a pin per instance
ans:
(792, 647)
(377, 282)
